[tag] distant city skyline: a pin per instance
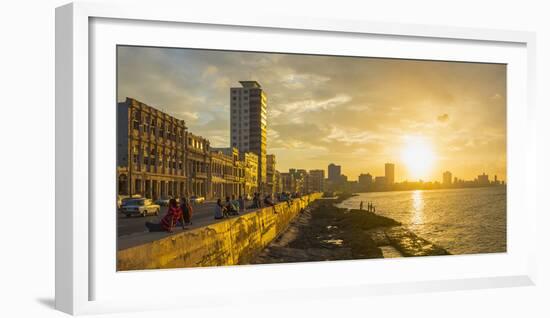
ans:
(359, 113)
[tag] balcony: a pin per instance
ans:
(200, 175)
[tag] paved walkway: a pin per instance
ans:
(132, 231)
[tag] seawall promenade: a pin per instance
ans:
(228, 242)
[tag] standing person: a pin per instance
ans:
(242, 208)
(187, 211)
(219, 210)
(236, 204)
(361, 206)
(169, 221)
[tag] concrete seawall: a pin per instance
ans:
(229, 242)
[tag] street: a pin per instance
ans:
(202, 213)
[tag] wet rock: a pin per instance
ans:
(288, 254)
(389, 251)
(379, 237)
(409, 244)
(329, 254)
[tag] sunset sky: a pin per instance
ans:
(356, 112)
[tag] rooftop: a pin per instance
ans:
(250, 84)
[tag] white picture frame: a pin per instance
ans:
(78, 254)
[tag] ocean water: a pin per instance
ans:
(463, 221)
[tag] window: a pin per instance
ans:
(135, 122)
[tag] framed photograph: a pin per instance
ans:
(265, 155)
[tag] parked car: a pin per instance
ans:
(119, 200)
(123, 199)
(163, 201)
(140, 206)
(196, 199)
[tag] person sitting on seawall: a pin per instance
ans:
(236, 203)
(187, 210)
(255, 200)
(230, 206)
(219, 210)
(268, 201)
(242, 207)
(168, 222)
(260, 201)
(285, 196)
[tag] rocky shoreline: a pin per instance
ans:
(323, 232)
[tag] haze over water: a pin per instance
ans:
(463, 221)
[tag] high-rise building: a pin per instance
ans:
(380, 181)
(364, 181)
(316, 181)
(483, 179)
(447, 178)
(334, 172)
(288, 182)
(390, 173)
(248, 121)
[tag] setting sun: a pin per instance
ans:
(418, 156)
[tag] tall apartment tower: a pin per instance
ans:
(447, 178)
(389, 173)
(334, 172)
(248, 121)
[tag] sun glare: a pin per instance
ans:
(418, 156)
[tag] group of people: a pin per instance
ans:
(370, 207)
(230, 207)
(258, 203)
(177, 215)
(180, 214)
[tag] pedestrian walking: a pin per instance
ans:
(361, 206)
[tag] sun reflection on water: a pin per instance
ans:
(418, 207)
